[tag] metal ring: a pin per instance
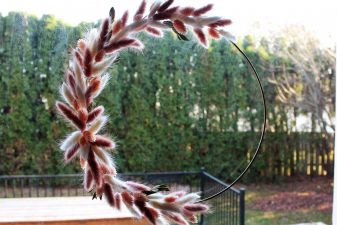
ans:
(263, 128)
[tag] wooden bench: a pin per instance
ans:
(63, 210)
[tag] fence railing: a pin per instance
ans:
(228, 208)
(230, 205)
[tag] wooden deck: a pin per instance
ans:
(63, 210)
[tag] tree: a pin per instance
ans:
(307, 76)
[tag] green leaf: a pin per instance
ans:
(179, 35)
(182, 37)
(160, 187)
(94, 196)
(157, 188)
(168, 23)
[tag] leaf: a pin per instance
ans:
(168, 23)
(179, 35)
(157, 188)
(182, 37)
(161, 187)
(94, 196)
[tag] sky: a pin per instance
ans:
(249, 17)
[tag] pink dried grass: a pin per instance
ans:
(84, 80)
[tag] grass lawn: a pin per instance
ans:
(291, 202)
(258, 217)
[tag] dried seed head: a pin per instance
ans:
(87, 64)
(81, 44)
(83, 115)
(187, 11)
(93, 88)
(201, 37)
(100, 190)
(71, 82)
(103, 142)
(106, 170)
(71, 153)
(137, 44)
(117, 27)
(95, 113)
(67, 94)
(127, 198)
(162, 16)
(213, 33)
(109, 195)
(118, 200)
(79, 57)
(140, 197)
(178, 193)
(193, 219)
(203, 10)
(125, 18)
(165, 5)
(138, 186)
(154, 212)
(88, 180)
(179, 26)
(155, 32)
(151, 214)
(118, 45)
(140, 12)
(71, 140)
(105, 160)
(100, 55)
(83, 162)
(98, 124)
(103, 33)
(94, 167)
(196, 207)
(172, 10)
(170, 198)
(70, 115)
(220, 23)
(175, 217)
(88, 136)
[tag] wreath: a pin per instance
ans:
(85, 79)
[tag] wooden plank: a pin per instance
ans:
(316, 152)
(113, 221)
(62, 210)
(292, 149)
(306, 156)
(311, 159)
(298, 150)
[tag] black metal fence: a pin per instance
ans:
(228, 208)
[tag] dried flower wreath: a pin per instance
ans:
(86, 78)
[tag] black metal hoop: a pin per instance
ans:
(263, 127)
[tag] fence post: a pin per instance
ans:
(202, 189)
(242, 206)
(6, 186)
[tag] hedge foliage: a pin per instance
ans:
(172, 107)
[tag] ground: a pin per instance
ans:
(296, 200)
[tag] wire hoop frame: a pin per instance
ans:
(263, 127)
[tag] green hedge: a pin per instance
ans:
(174, 106)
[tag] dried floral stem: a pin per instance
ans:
(84, 81)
